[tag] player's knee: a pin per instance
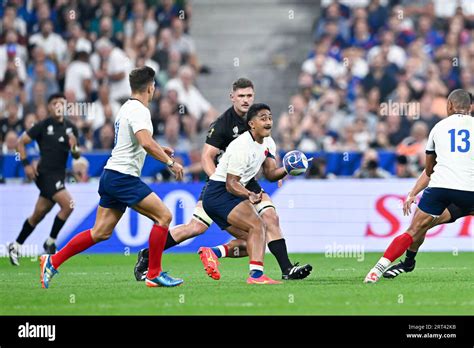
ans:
(271, 218)
(197, 228)
(66, 211)
(100, 234)
(165, 218)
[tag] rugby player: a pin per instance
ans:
(56, 137)
(222, 132)
(450, 167)
(120, 185)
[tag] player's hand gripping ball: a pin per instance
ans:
(295, 163)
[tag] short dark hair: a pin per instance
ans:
(253, 111)
(242, 83)
(55, 96)
(461, 99)
(139, 78)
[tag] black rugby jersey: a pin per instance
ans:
(51, 136)
(225, 129)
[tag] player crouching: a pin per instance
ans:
(229, 203)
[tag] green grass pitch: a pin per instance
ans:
(442, 284)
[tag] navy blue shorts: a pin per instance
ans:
(218, 203)
(119, 191)
(435, 200)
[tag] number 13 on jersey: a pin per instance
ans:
(464, 140)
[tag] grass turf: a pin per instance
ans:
(104, 285)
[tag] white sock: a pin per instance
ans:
(381, 266)
(222, 250)
(50, 241)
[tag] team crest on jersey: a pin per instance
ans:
(236, 131)
(59, 185)
(50, 130)
(61, 139)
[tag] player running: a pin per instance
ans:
(222, 132)
(229, 203)
(449, 215)
(120, 185)
(450, 166)
(56, 136)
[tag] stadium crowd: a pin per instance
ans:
(377, 78)
(86, 49)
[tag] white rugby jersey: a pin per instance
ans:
(128, 155)
(452, 139)
(244, 157)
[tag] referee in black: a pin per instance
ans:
(56, 136)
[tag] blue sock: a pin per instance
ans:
(255, 273)
(216, 251)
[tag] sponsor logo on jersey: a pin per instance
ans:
(61, 139)
(236, 131)
(50, 130)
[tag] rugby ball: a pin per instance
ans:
(295, 163)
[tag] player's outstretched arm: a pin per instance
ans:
(30, 170)
(209, 153)
(156, 151)
(421, 183)
(271, 171)
(233, 185)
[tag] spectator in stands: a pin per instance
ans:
(166, 12)
(106, 10)
(13, 56)
(41, 74)
(370, 167)
(402, 169)
(163, 48)
(394, 53)
(11, 122)
(290, 125)
(380, 76)
(52, 43)
(184, 44)
(139, 15)
(12, 21)
(79, 77)
(333, 14)
(318, 169)
(413, 146)
(9, 144)
(190, 96)
(381, 140)
(80, 169)
(104, 137)
(112, 66)
(103, 109)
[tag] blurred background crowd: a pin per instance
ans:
(375, 79)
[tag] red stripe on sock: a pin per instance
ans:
(398, 246)
(156, 243)
(79, 243)
(226, 248)
(257, 263)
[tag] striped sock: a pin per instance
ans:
(221, 250)
(256, 269)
